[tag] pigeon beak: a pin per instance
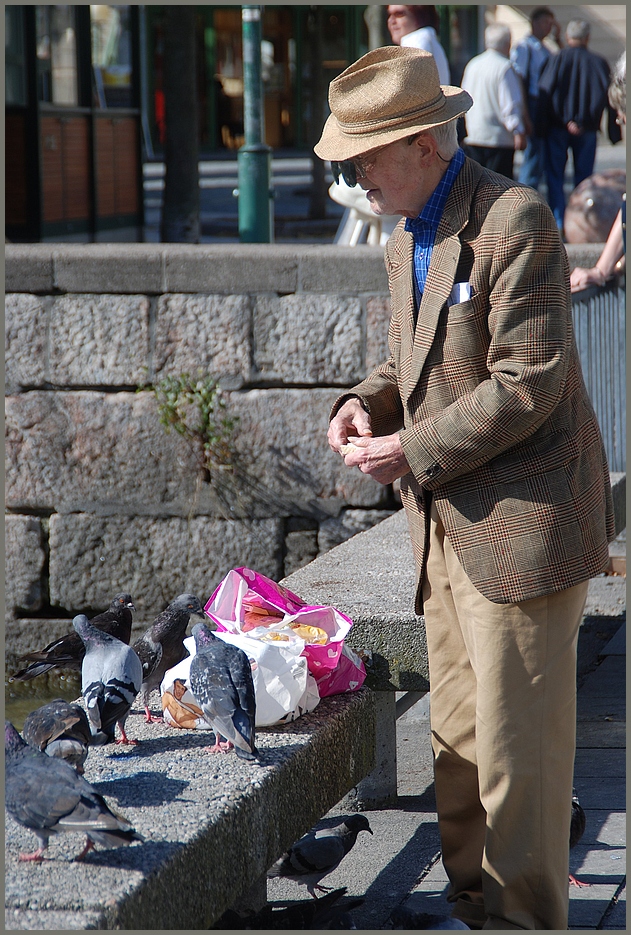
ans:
(131, 605)
(370, 829)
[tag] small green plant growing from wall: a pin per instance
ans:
(195, 408)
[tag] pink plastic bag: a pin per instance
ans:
(249, 603)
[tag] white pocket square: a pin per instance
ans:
(461, 292)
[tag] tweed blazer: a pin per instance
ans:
(489, 399)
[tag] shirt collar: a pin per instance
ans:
(433, 210)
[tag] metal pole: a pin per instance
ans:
(254, 159)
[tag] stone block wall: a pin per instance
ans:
(99, 498)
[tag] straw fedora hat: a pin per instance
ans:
(385, 95)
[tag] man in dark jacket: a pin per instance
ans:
(572, 96)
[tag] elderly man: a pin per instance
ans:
(573, 95)
(496, 122)
(482, 412)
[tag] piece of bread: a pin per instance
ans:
(348, 449)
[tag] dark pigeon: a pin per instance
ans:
(111, 677)
(322, 914)
(221, 681)
(60, 729)
(68, 651)
(46, 795)
(408, 919)
(162, 645)
(577, 830)
(318, 853)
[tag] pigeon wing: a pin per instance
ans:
(47, 723)
(311, 854)
(41, 790)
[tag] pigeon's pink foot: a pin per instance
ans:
(216, 748)
(226, 745)
(35, 856)
(574, 881)
(89, 845)
(124, 738)
(149, 718)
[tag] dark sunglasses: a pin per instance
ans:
(346, 170)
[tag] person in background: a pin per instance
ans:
(572, 97)
(528, 58)
(614, 250)
(416, 27)
(481, 410)
(496, 123)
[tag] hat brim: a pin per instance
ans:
(338, 144)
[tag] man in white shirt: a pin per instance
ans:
(528, 58)
(415, 26)
(496, 122)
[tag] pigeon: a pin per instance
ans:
(111, 677)
(221, 681)
(577, 830)
(405, 918)
(45, 794)
(61, 729)
(321, 915)
(162, 646)
(318, 853)
(68, 651)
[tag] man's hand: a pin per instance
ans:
(382, 457)
(520, 140)
(573, 128)
(350, 419)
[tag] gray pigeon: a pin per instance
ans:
(46, 795)
(221, 681)
(318, 853)
(68, 651)
(162, 645)
(111, 676)
(61, 729)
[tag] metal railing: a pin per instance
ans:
(599, 316)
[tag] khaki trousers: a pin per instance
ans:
(503, 725)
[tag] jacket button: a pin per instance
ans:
(433, 470)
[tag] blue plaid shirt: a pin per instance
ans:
(424, 227)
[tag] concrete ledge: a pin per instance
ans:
(153, 269)
(619, 494)
(213, 824)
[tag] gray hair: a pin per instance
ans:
(618, 86)
(497, 36)
(578, 29)
(446, 136)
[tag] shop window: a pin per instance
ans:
(56, 38)
(14, 56)
(110, 29)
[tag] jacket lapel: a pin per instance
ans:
(442, 270)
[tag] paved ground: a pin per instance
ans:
(401, 863)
